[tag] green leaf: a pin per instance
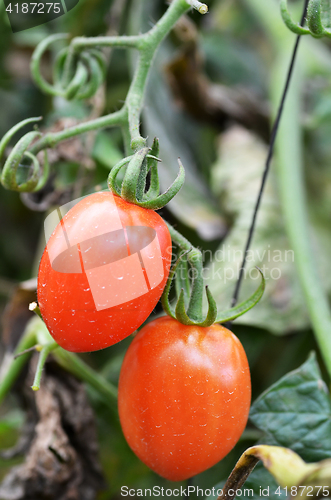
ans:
(296, 413)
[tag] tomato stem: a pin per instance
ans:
(36, 335)
(13, 364)
(75, 365)
(194, 310)
(45, 351)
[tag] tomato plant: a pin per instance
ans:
(184, 396)
(102, 272)
(184, 391)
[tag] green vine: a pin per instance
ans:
(79, 70)
(37, 338)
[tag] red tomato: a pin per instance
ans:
(184, 396)
(103, 271)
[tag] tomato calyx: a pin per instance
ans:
(188, 307)
(133, 187)
(314, 18)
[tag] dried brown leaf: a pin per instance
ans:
(62, 461)
(208, 102)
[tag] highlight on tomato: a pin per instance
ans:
(102, 272)
(184, 396)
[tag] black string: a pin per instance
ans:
(268, 160)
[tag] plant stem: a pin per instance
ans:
(294, 203)
(147, 45)
(131, 42)
(52, 139)
(45, 351)
(13, 367)
(178, 238)
(194, 310)
(161, 29)
(75, 365)
(194, 257)
(37, 333)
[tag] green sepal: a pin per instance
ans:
(314, 20)
(165, 296)
(245, 306)
(142, 179)
(180, 310)
(133, 185)
(180, 313)
(162, 200)
(112, 177)
(152, 166)
(132, 176)
(182, 281)
(326, 13)
(182, 316)
(194, 310)
(212, 309)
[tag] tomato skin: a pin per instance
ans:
(184, 396)
(65, 299)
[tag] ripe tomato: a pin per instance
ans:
(102, 272)
(184, 396)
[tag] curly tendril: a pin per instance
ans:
(75, 75)
(78, 72)
(30, 177)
